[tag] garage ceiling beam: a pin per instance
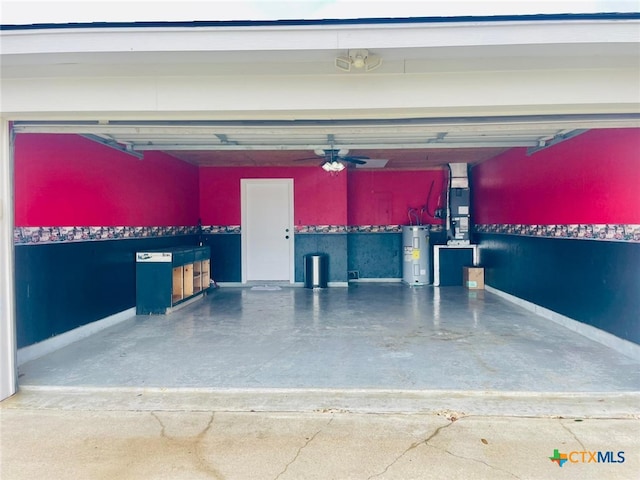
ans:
(326, 127)
(561, 137)
(115, 145)
(532, 132)
(353, 146)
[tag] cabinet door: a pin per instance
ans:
(178, 284)
(197, 277)
(188, 280)
(205, 276)
(153, 288)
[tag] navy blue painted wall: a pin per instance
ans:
(375, 255)
(226, 256)
(61, 286)
(333, 244)
(595, 282)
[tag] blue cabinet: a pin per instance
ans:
(170, 277)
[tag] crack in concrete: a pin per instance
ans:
(195, 442)
(493, 467)
(426, 442)
(573, 435)
(309, 440)
(205, 466)
(162, 427)
(413, 446)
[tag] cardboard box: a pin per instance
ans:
(473, 278)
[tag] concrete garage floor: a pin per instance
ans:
(370, 381)
(367, 336)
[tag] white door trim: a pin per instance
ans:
(8, 373)
(244, 182)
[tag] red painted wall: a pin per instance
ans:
(67, 180)
(593, 178)
(319, 197)
(384, 197)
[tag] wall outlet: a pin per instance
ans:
(353, 274)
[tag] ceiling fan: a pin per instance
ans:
(333, 159)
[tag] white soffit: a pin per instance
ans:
(405, 47)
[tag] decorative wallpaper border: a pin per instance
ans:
(606, 232)
(300, 229)
(374, 229)
(41, 235)
(387, 228)
(213, 229)
(357, 228)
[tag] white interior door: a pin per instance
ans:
(267, 229)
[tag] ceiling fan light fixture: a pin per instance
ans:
(333, 166)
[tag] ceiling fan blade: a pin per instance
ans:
(356, 160)
(310, 158)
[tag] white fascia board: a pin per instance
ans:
(316, 37)
(263, 97)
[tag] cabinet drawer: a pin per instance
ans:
(182, 257)
(202, 253)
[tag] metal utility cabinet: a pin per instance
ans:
(169, 277)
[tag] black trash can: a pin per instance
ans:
(316, 270)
